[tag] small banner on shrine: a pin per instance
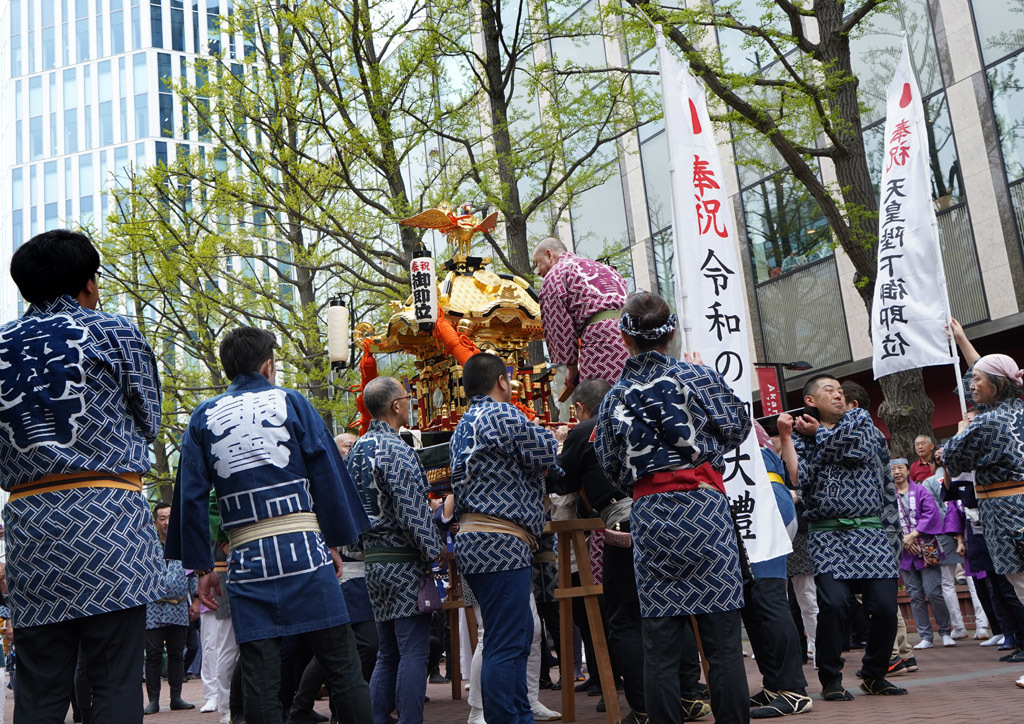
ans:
(908, 315)
(709, 292)
(423, 280)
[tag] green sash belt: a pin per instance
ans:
(391, 555)
(871, 521)
(601, 316)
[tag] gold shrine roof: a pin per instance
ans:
(499, 311)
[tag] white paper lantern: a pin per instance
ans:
(338, 334)
(423, 279)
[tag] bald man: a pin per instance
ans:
(344, 442)
(580, 303)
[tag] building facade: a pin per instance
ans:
(87, 97)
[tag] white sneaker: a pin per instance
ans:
(981, 633)
(476, 716)
(208, 706)
(960, 633)
(994, 641)
(924, 644)
(542, 713)
(225, 719)
(947, 640)
(1020, 682)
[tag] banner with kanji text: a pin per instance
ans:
(709, 292)
(908, 314)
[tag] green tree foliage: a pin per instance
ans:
(309, 135)
(801, 103)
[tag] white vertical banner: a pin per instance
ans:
(910, 307)
(709, 292)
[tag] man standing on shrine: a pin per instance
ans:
(580, 303)
(286, 502)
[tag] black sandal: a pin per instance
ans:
(881, 687)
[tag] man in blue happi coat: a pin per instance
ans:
(79, 405)
(398, 549)
(499, 459)
(167, 623)
(286, 503)
(662, 434)
(838, 464)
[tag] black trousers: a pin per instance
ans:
(47, 656)
(173, 637)
(773, 635)
(334, 647)
(625, 626)
(664, 654)
(879, 595)
(314, 676)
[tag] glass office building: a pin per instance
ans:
(87, 97)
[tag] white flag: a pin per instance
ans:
(909, 311)
(709, 291)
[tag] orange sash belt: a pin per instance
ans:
(70, 481)
(999, 490)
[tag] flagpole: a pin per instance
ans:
(681, 293)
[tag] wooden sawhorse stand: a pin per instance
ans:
(571, 532)
(453, 603)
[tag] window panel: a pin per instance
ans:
(70, 88)
(785, 227)
(70, 130)
(1000, 28)
(875, 51)
(106, 109)
(82, 39)
(1006, 83)
(654, 157)
(116, 31)
(156, 16)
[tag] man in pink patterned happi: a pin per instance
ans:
(580, 303)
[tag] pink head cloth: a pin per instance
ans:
(1001, 365)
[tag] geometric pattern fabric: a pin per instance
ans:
(386, 469)
(78, 392)
(499, 459)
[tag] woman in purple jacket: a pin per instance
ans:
(921, 521)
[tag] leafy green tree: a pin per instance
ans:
(800, 104)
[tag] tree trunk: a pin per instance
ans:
(515, 220)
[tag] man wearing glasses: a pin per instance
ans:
(399, 547)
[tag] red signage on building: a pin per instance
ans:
(771, 401)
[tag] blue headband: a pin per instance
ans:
(631, 326)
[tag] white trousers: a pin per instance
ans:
(949, 595)
(219, 656)
(532, 663)
(807, 599)
(1017, 579)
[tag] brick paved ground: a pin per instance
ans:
(964, 685)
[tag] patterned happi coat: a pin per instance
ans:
(574, 290)
(663, 415)
(386, 469)
(843, 475)
(78, 392)
(174, 585)
(993, 447)
(267, 453)
(499, 460)
(920, 512)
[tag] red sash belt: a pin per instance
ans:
(683, 479)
